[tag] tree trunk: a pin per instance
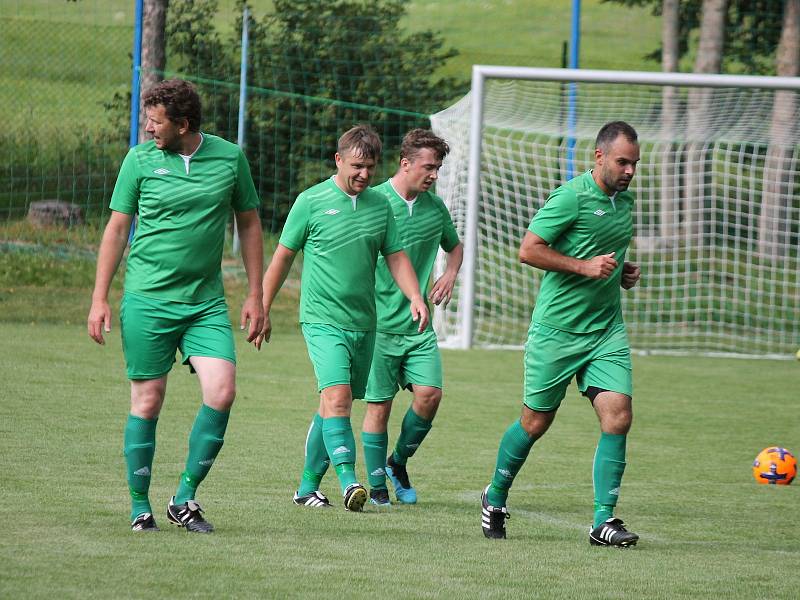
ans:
(773, 225)
(709, 60)
(154, 58)
(670, 186)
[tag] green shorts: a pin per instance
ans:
(552, 357)
(402, 360)
(153, 329)
(339, 356)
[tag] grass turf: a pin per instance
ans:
(707, 530)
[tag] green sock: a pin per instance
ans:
(337, 433)
(316, 458)
(375, 447)
(514, 448)
(205, 442)
(412, 432)
(609, 465)
(139, 447)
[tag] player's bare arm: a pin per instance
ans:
(112, 247)
(403, 273)
(442, 290)
(248, 225)
(536, 252)
(630, 275)
(276, 274)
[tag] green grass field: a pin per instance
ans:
(707, 530)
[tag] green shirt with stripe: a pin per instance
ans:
(581, 221)
(423, 228)
(341, 240)
(176, 252)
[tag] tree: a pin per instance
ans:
(670, 198)
(154, 16)
(752, 26)
(708, 60)
(315, 69)
(773, 224)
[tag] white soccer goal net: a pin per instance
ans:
(717, 219)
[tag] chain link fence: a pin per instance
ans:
(315, 70)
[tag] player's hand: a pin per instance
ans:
(265, 333)
(600, 267)
(419, 312)
(442, 290)
(99, 320)
(252, 312)
(630, 275)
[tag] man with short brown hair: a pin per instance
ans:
(405, 358)
(183, 184)
(342, 225)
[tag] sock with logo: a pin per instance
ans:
(316, 458)
(337, 433)
(412, 432)
(139, 447)
(515, 446)
(375, 448)
(609, 465)
(205, 442)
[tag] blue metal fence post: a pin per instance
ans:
(572, 110)
(135, 85)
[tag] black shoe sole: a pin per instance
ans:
(628, 544)
(356, 501)
(492, 536)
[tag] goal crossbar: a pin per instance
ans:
(481, 73)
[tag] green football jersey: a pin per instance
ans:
(340, 241)
(423, 229)
(176, 252)
(581, 221)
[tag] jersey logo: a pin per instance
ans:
(161, 171)
(331, 211)
(599, 212)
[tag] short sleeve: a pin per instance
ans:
(245, 196)
(125, 198)
(295, 230)
(391, 241)
(556, 216)
(449, 235)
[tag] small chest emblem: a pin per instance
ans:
(331, 211)
(161, 171)
(599, 212)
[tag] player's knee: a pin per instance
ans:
(536, 423)
(376, 416)
(618, 423)
(337, 401)
(426, 401)
(146, 408)
(147, 399)
(221, 396)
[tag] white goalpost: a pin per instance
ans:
(717, 217)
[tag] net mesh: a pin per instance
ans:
(715, 222)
